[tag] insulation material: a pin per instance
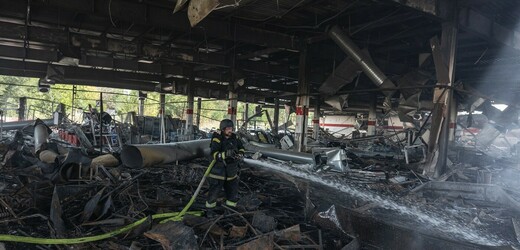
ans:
(199, 9)
(179, 5)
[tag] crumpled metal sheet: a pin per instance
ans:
(336, 158)
(344, 74)
(410, 98)
(408, 108)
(338, 102)
(332, 216)
(199, 9)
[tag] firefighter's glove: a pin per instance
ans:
(231, 154)
(240, 157)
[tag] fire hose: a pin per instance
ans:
(174, 216)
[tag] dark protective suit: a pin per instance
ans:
(224, 152)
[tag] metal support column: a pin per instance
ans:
(21, 108)
(444, 59)
(162, 101)
(189, 114)
(232, 107)
(316, 120)
(276, 116)
(73, 102)
(302, 104)
(246, 114)
(444, 139)
(453, 118)
(372, 117)
(142, 97)
(199, 107)
(100, 120)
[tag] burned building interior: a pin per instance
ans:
(366, 124)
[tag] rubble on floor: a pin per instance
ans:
(341, 197)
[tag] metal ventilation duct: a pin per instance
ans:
(352, 50)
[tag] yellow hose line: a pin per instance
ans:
(175, 216)
(45, 241)
(193, 197)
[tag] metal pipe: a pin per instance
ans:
(148, 155)
(353, 51)
(296, 157)
(41, 135)
(107, 160)
(21, 124)
(48, 156)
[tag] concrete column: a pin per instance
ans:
(199, 107)
(232, 107)
(21, 108)
(190, 90)
(372, 115)
(162, 110)
(142, 97)
(100, 120)
(302, 104)
(276, 115)
(450, 29)
(316, 120)
(189, 114)
(246, 113)
(302, 114)
(73, 104)
(453, 119)
(444, 58)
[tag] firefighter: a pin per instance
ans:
(226, 151)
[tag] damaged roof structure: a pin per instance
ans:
(383, 124)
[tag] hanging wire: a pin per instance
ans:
(110, 13)
(235, 5)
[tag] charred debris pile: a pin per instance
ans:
(341, 194)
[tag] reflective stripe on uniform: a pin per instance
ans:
(241, 150)
(223, 178)
(216, 140)
(231, 203)
(215, 155)
(212, 163)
